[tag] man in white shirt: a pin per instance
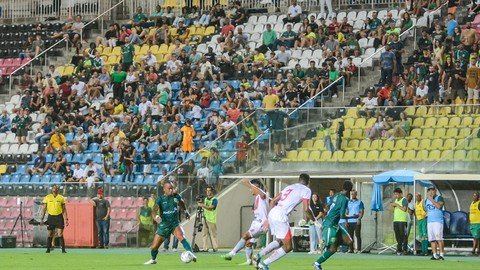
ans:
(144, 106)
(420, 97)
(78, 173)
(294, 13)
(203, 171)
(149, 59)
(107, 127)
(174, 67)
(285, 202)
(80, 141)
(369, 103)
(226, 129)
(79, 87)
(164, 85)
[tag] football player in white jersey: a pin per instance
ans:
(259, 224)
(281, 206)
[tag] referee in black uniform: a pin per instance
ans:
(57, 219)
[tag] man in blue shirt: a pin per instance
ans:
(451, 24)
(4, 122)
(354, 216)
(387, 65)
(434, 208)
(39, 164)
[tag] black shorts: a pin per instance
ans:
(278, 136)
(55, 222)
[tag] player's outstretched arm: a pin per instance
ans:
(275, 200)
(308, 211)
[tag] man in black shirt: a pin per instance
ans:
(126, 157)
(102, 218)
(456, 83)
(277, 126)
(432, 81)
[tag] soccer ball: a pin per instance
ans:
(186, 257)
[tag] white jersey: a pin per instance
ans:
(292, 196)
(260, 210)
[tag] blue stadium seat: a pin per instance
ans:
(116, 157)
(98, 158)
(446, 219)
(117, 179)
(78, 158)
(93, 147)
(257, 103)
(176, 86)
(150, 180)
(6, 178)
(21, 169)
(45, 179)
(235, 84)
(15, 178)
(25, 178)
(136, 145)
(138, 168)
(69, 137)
(459, 225)
(35, 179)
(170, 157)
(107, 179)
(214, 105)
(138, 179)
(229, 145)
(69, 157)
(153, 146)
(56, 178)
(87, 156)
(49, 158)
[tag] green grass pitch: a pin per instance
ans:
(86, 259)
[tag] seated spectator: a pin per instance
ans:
(57, 142)
(20, 125)
(174, 68)
(269, 37)
(384, 94)
(294, 13)
(240, 16)
(306, 40)
(227, 129)
(369, 103)
(401, 127)
(39, 164)
(217, 16)
(287, 38)
(375, 132)
(80, 141)
(173, 139)
(139, 18)
(4, 122)
(59, 165)
(281, 59)
(421, 94)
(79, 174)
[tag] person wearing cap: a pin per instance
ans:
(474, 217)
(434, 205)
(400, 219)
(102, 218)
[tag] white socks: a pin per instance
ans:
(238, 247)
(248, 253)
(273, 245)
(276, 255)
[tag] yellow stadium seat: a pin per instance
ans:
(326, 156)
(357, 134)
(200, 31)
(344, 144)
(169, 3)
(99, 49)
(314, 156)
(445, 111)
(159, 57)
(360, 123)
(440, 133)
(385, 155)
(163, 49)
(361, 156)
(303, 155)
(352, 145)
(462, 143)
(447, 155)
(173, 32)
(452, 133)
(449, 144)
(412, 144)
(351, 113)
(144, 49)
(372, 156)
(416, 133)
(154, 49)
(410, 111)
(3, 168)
(442, 122)
(347, 133)
(291, 156)
(455, 122)
(319, 145)
(349, 123)
(459, 110)
(467, 121)
(436, 144)
(112, 60)
(172, 47)
(430, 122)
(68, 70)
(364, 145)
(388, 145)
(474, 144)
(376, 144)
(166, 57)
(337, 156)
(370, 122)
(476, 122)
(421, 111)
(117, 51)
(460, 155)
(418, 122)
(401, 144)
(424, 144)
(428, 133)
(152, 31)
(137, 48)
(306, 145)
(107, 51)
(209, 31)
(348, 156)
(473, 155)
(434, 155)
(397, 155)
(463, 133)
(422, 155)
(409, 155)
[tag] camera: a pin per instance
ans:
(199, 198)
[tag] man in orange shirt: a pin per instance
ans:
(234, 112)
(188, 135)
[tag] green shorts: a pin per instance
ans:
(333, 235)
(166, 229)
(475, 230)
(422, 228)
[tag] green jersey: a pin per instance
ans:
(127, 53)
(169, 208)
(338, 208)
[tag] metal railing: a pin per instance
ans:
(28, 9)
(313, 5)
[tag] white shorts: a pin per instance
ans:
(435, 231)
(473, 93)
(256, 229)
(278, 222)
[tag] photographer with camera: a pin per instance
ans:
(209, 207)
